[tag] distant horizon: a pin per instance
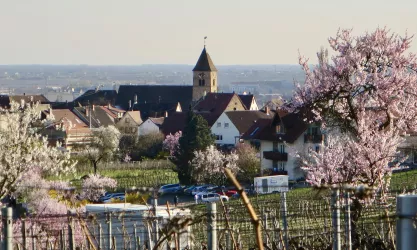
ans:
(166, 32)
(148, 64)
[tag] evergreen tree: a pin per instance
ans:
(196, 136)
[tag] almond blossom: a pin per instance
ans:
(22, 149)
(208, 165)
(171, 142)
(366, 98)
(94, 186)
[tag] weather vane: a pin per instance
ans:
(205, 41)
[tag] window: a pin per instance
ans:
(313, 130)
(281, 165)
(281, 148)
(317, 149)
(280, 129)
(219, 137)
(214, 82)
(127, 120)
(201, 82)
(275, 146)
(226, 124)
(219, 124)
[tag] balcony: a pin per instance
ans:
(279, 172)
(317, 138)
(275, 156)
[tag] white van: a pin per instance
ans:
(271, 184)
(213, 197)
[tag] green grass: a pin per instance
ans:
(128, 175)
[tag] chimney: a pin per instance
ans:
(108, 105)
(166, 114)
(24, 94)
(130, 104)
(22, 103)
(267, 111)
(135, 100)
(31, 98)
(50, 111)
(94, 108)
(86, 111)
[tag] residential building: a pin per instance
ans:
(210, 107)
(278, 136)
(96, 96)
(408, 151)
(151, 125)
(66, 128)
(231, 125)
(129, 123)
(42, 102)
(96, 116)
(249, 101)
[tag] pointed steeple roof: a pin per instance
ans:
(204, 62)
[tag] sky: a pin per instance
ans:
(134, 32)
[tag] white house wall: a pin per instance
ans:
(147, 127)
(229, 134)
(291, 164)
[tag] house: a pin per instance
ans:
(154, 110)
(129, 123)
(66, 127)
(42, 102)
(231, 125)
(408, 151)
(174, 123)
(213, 105)
(249, 101)
(96, 96)
(151, 125)
(155, 100)
(96, 116)
(280, 135)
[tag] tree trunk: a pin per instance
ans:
(95, 167)
(356, 212)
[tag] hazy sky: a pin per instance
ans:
(172, 31)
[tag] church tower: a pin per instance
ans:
(204, 76)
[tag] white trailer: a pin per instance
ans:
(271, 184)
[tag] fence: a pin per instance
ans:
(305, 223)
(321, 221)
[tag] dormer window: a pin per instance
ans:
(280, 129)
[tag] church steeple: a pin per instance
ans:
(204, 76)
(204, 62)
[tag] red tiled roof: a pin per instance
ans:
(266, 129)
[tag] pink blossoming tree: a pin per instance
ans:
(208, 165)
(171, 143)
(95, 186)
(365, 97)
(22, 149)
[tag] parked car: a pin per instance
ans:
(213, 197)
(248, 192)
(189, 190)
(115, 196)
(199, 189)
(170, 188)
(120, 197)
(109, 196)
(228, 193)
